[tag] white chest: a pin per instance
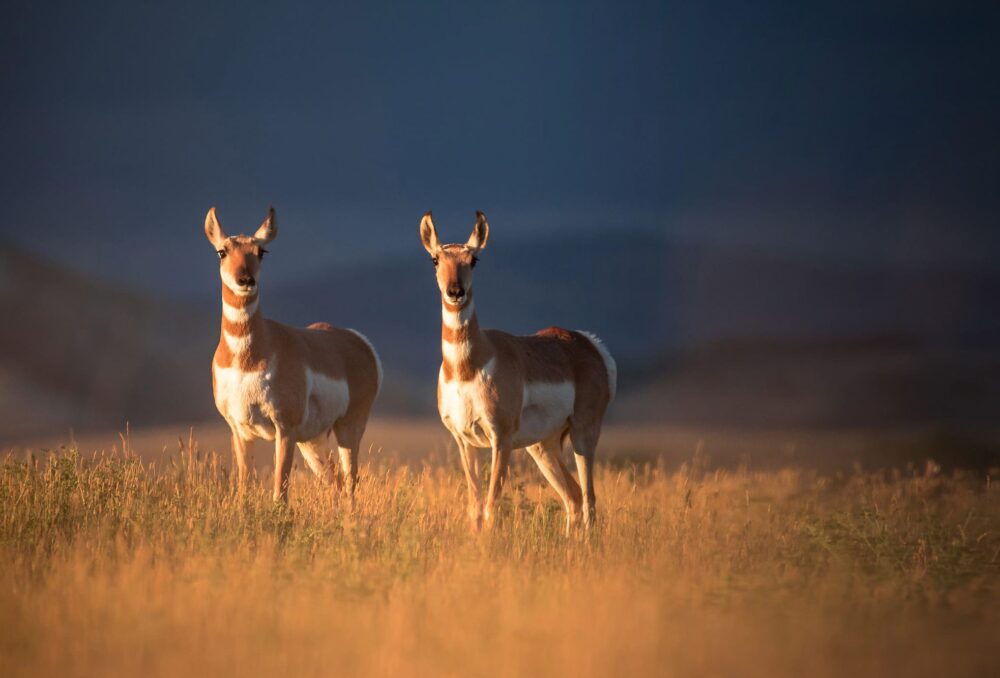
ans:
(246, 400)
(463, 406)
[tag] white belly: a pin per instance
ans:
(544, 411)
(326, 402)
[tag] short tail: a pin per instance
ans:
(609, 362)
(378, 361)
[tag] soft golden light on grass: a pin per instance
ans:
(109, 565)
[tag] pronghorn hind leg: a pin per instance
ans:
(547, 455)
(349, 468)
(284, 452)
(243, 452)
(316, 452)
(584, 446)
(498, 474)
(348, 447)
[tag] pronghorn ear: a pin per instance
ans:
(480, 233)
(213, 231)
(429, 235)
(268, 231)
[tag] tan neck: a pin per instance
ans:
(464, 346)
(243, 334)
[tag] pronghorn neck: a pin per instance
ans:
(464, 347)
(243, 328)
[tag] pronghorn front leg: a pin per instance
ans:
(284, 449)
(243, 451)
(470, 464)
(498, 474)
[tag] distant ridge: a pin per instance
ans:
(701, 334)
(82, 353)
(642, 294)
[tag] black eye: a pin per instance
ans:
(261, 253)
(434, 260)
(475, 260)
(221, 253)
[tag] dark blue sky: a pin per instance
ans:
(850, 131)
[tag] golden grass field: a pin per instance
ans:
(145, 561)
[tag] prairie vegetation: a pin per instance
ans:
(113, 564)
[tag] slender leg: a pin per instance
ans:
(349, 467)
(585, 467)
(243, 451)
(349, 433)
(284, 450)
(568, 475)
(584, 445)
(470, 464)
(317, 457)
(498, 474)
(546, 455)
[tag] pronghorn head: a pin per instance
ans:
(454, 263)
(240, 255)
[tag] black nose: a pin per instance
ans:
(246, 281)
(455, 291)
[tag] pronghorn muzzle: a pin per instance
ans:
(455, 292)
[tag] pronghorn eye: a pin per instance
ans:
(221, 253)
(475, 260)
(434, 260)
(261, 253)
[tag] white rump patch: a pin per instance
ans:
(609, 362)
(378, 361)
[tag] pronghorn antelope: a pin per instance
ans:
(503, 392)
(281, 383)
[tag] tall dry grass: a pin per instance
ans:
(114, 566)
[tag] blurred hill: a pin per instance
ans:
(80, 353)
(643, 295)
(709, 334)
(703, 334)
(888, 381)
(76, 352)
